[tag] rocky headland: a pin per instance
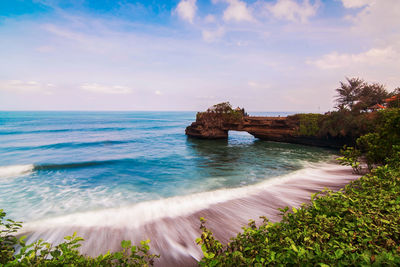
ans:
(298, 129)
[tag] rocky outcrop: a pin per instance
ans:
(278, 129)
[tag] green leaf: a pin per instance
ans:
(338, 253)
(126, 243)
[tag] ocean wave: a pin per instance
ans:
(73, 165)
(15, 170)
(145, 212)
(65, 130)
(19, 170)
(74, 144)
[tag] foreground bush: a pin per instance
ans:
(42, 253)
(378, 147)
(359, 225)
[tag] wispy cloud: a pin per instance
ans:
(210, 19)
(356, 3)
(373, 56)
(26, 86)
(293, 11)
(105, 89)
(258, 85)
(213, 35)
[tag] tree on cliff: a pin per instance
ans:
(357, 95)
(224, 107)
(370, 95)
(348, 92)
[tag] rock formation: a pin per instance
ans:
(212, 125)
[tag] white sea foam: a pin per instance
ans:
(142, 213)
(15, 170)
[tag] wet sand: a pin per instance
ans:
(173, 225)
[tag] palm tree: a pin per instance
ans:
(348, 93)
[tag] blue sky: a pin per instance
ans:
(265, 55)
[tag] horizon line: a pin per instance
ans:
(134, 110)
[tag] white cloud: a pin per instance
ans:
(186, 10)
(210, 19)
(158, 92)
(373, 56)
(355, 3)
(237, 11)
(378, 17)
(213, 35)
(257, 85)
(26, 86)
(292, 10)
(105, 89)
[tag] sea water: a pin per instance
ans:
(54, 164)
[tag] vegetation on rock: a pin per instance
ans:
(223, 112)
(356, 100)
(309, 123)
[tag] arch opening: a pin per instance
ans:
(240, 137)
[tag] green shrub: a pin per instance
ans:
(7, 239)
(41, 253)
(310, 124)
(382, 144)
(378, 147)
(338, 124)
(351, 158)
(346, 124)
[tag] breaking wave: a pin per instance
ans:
(15, 170)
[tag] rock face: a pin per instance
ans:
(278, 129)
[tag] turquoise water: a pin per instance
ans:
(58, 163)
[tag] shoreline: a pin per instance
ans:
(172, 224)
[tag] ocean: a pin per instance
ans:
(54, 164)
(113, 176)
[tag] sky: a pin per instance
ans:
(263, 55)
